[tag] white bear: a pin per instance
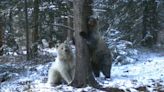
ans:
(64, 65)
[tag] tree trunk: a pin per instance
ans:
(150, 23)
(161, 24)
(1, 37)
(69, 32)
(83, 74)
(51, 16)
(27, 32)
(35, 33)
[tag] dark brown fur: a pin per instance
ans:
(101, 58)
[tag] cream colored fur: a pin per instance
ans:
(64, 65)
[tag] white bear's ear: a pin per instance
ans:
(65, 42)
(57, 45)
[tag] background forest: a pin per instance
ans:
(30, 30)
(137, 20)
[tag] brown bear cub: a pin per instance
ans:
(101, 58)
(64, 65)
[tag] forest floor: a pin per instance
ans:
(146, 75)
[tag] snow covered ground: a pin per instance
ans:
(146, 75)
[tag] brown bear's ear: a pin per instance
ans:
(84, 35)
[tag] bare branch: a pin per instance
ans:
(61, 25)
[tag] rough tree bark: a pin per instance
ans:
(150, 23)
(35, 34)
(27, 32)
(52, 17)
(1, 37)
(69, 22)
(69, 32)
(161, 24)
(83, 74)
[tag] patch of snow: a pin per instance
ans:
(52, 51)
(147, 74)
(138, 74)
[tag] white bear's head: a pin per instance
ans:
(64, 51)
